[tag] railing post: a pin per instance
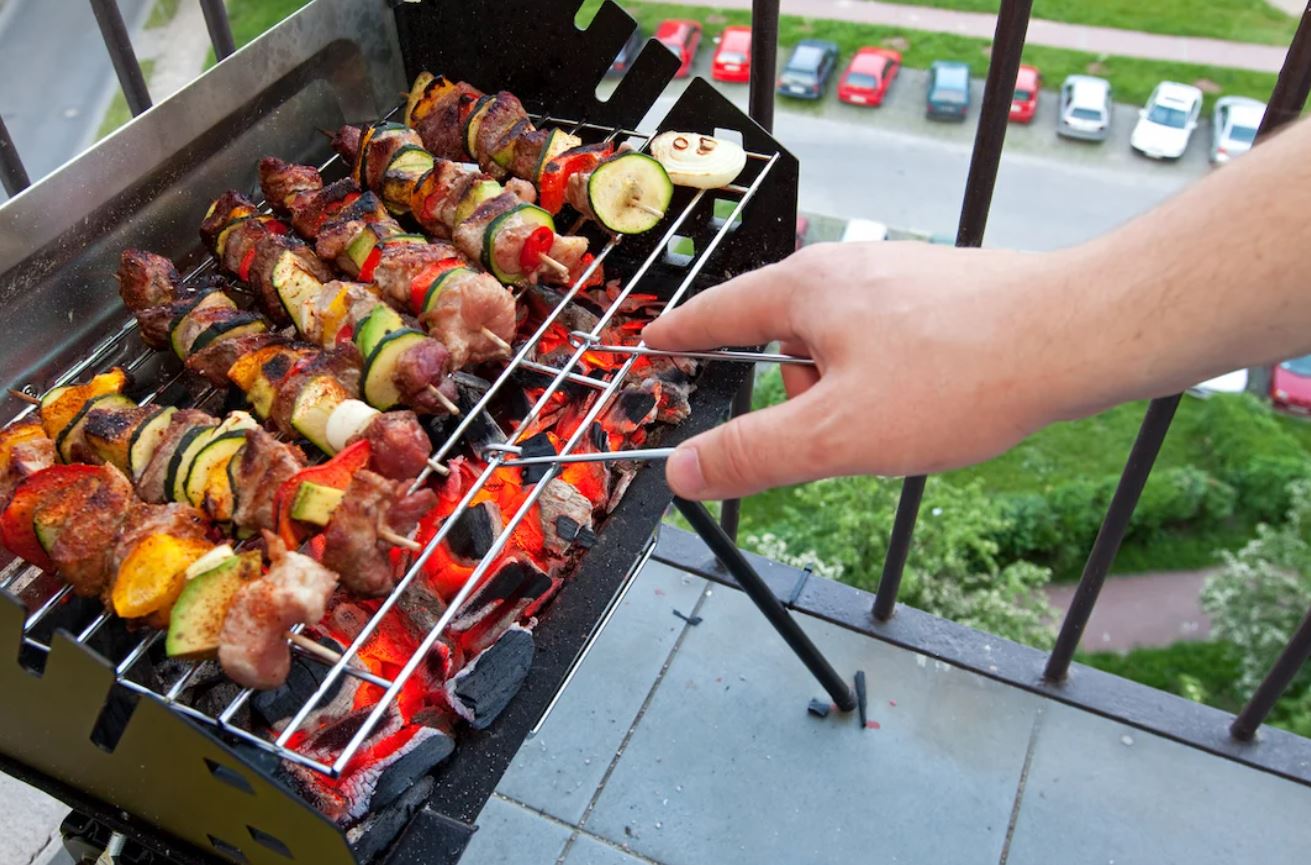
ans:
(12, 173)
(121, 54)
(760, 105)
(1288, 664)
(220, 29)
(994, 114)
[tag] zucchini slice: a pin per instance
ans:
(380, 321)
(480, 191)
(181, 335)
(239, 325)
(474, 123)
(557, 142)
(435, 289)
(629, 193)
(523, 212)
(380, 369)
(407, 165)
(208, 477)
(191, 443)
(295, 286)
(146, 440)
(316, 403)
(69, 434)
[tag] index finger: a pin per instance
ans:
(751, 309)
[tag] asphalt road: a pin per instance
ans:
(57, 77)
(893, 165)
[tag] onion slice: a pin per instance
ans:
(699, 161)
(347, 420)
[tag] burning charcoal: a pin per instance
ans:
(474, 532)
(347, 799)
(537, 446)
(431, 749)
(517, 580)
(597, 434)
(560, 501)
(420, 608)
(623, 476)
(380, 828)
(482, 690)
(271, 708)
(348, 619)
(636, 405)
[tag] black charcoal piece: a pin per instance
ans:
(537, 446)
(819, 708)
(474, 532)
(409, 769)
(586, 539)
(600, 439)
(373, 836)
(306, 675)
(483, 689)
(567, 527)
(862, 699)
(635, 404)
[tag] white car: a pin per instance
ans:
(1234, 126)
(1168, 121)
(1230, 382)
(1085, 108)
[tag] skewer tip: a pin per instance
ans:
(24, 396)
(313, 647)
(646, 208)
(558, 267)
(496, 340)
(444, 400)
(399, 540)
(327, 133)
(439, 468)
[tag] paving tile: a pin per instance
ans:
(589, 851)
(31, 818)
(1100, 792)
(510, 833)
(727, 766)
(559, 770)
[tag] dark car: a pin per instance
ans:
(949, 90)
(628, 53)
(808, 69)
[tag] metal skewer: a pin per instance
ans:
(603, 457)
(578, 337)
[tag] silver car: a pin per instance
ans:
(1233, 127)
(1085, 108)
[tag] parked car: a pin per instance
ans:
(683, 37)
(1290, 385)
(803, 231)
(1230, 382)
(809, 68)
(1166, 124)
(628, 53)
(868, 76)
(858, 230)
(1024, 104)
(1085, 108)
(949, 90)
(732, 55)
(1233, 127)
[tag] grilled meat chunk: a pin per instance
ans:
(469, 234)
(341, 363)
(214, 360)
(310, 210)
(439, 124)
(266, 464)
(86, 518)
(26, 450)
(352, 547)
(398, 445)
(271, 250)
(400, 263)
(420, 371)
(336, 233)
(383, 145)
(499, 123)
(151, 484)
(284, 183)
(468, 303)
(253, 648)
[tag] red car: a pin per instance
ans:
(1290, 385)
(683, 37)
(733, 56)
(1025, 103)
(866, 79)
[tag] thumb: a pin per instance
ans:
(773, 447)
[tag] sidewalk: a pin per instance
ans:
(1077, 37)
(1154, 609)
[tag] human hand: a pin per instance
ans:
(926, 358)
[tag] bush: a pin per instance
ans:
(1254, 455)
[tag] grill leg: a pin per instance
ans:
(751, 582)
(12, 173)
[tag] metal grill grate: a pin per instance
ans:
(17, 572)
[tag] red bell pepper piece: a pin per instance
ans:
(276, 226)
(554, 179)
(423, 281)
(375, 256)
(345, 334)
(535, 246)
(336, 473)
(243, 270)
(16, 527)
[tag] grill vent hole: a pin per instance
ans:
(113, 719)
(231, 851)
(723, 209)
(267, 840)
(681, 251)
(732, 135)
(230, 777)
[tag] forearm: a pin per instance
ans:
(1215, 279)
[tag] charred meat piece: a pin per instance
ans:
(283, 183)
(566, 513)
(438, 119)
(27, 450)
(214, 360)
(341, 363)
(86, 517)
(336, 233)
(146, 279)
(310, 210)
(272, 252)
(351, 544)
(151, 484)
(398, 445)
(400, 263)
(469, 302)
(265, 464)
(253, 648)
(421, 373)
(504, 114)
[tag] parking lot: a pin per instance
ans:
(894, 165)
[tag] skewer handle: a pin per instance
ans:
(580, 338)
(313, 647)
(558, 267)
(400, 541)
(646, 454)
(496, 340)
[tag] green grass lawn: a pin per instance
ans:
(1237, 20)
(250, 18)
(1132, 78)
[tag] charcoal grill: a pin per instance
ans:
(81, 719)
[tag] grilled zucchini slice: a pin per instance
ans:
(435, 289)
(70, 433)
(145, 440)
(295, 286)
(181, 335)
(317, 400)
(380, 321)
(523, 212)
(624, 191)
(380, 389)
(207, 478)
(241, 324)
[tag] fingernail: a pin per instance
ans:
(683, 471)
